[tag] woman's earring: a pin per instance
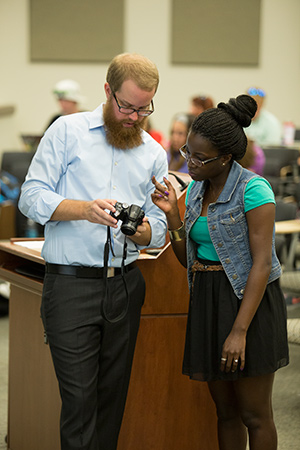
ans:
(223, 164)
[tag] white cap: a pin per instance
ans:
(68, 90)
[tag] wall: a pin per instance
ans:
(147, 30)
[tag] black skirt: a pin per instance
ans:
(212, 312)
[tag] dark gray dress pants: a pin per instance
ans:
(92, 357)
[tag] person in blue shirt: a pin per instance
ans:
(265, 128)
(93, 291)
(236, 334)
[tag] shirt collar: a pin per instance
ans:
(96, 117)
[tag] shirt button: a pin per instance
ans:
(234, 276)
(114, 187)
(242, 291)
(114, 235)
(213, 227)
(112, 259)
(220, 244)
(116, 163)
(227, 260)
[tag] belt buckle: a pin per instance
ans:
(110, 272)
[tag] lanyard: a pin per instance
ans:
(106, 300)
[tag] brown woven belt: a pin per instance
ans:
(199, 267)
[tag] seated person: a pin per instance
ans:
(254, 158)
(156, 134)
(199, 104)
(265, 128)
(178, 134)
(67, 93)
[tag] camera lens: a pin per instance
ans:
(128, 229)
(134, 218)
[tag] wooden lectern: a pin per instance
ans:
(164, 409)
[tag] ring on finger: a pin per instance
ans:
(224, 359)
(236, 361)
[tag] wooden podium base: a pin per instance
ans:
(164, 409)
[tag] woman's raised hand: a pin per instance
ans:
(164, 196)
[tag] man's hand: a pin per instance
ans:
(143, 233)
(94, 211)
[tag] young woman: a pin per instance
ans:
(178, 134)
(236, 333)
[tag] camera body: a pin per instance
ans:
(131, 216)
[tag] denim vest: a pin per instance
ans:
(228, 229)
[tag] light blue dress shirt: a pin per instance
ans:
(265, 130)
(74, 161)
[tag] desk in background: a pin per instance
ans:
(289, 227)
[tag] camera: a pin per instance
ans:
(131, 216)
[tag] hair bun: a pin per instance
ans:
(242, 109)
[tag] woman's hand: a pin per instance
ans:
(165, 197)
(233, 352)
(260, 238)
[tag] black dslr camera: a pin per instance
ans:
(132, 216)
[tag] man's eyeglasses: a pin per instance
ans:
(127, 110)
(196, 161)
(254, 91)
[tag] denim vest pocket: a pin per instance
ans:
(234, 223)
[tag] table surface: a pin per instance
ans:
(287, 226)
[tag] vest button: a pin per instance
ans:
(227, 260)
(234, 276)
(220, 244)
(242, 291)
(213, 227)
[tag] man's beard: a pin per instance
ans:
(119, 136)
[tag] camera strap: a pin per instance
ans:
(106, 300)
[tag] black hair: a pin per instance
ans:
(223, 126)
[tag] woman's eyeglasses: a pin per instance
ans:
(196, 161)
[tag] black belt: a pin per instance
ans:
(85, 271)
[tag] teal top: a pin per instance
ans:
(258, 192)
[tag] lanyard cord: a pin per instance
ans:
(107, 247)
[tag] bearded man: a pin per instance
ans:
(93, 291)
